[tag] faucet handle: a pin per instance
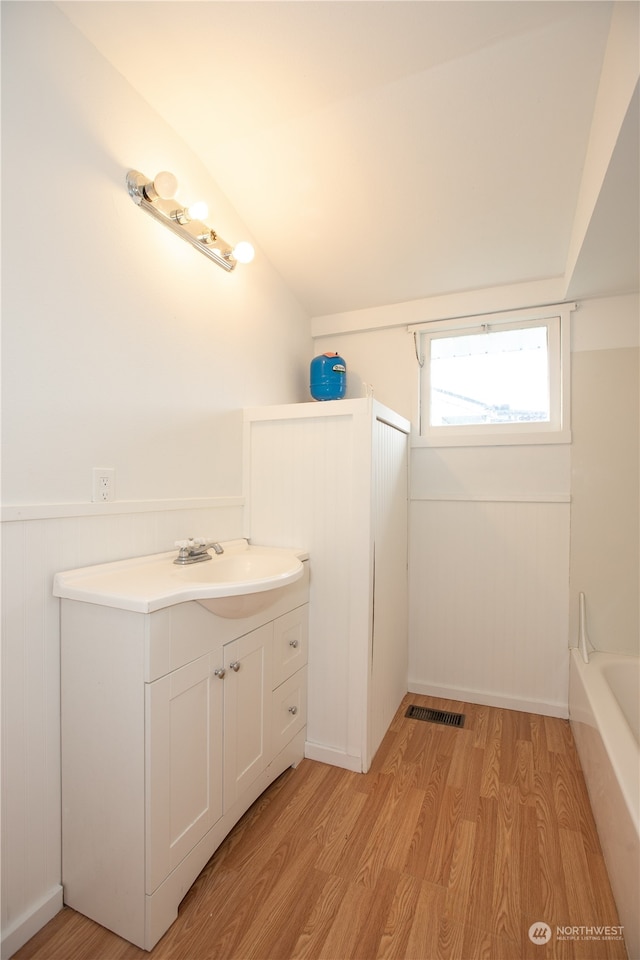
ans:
(199, 545)
(205, 542)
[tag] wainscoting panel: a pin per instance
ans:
(488, 618)
(298, 467)
(33, 551)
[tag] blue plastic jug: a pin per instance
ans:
(328, 377)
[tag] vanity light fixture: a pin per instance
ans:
(157, 198)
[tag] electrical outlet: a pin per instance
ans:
(104, 484)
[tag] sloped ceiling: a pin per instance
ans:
(381, 151)
(610, 254)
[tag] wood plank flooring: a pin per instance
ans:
(452, 846)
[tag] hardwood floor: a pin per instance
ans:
(452, 846)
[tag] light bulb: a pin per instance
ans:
(244, 252)
(198, 210)
(165, 185)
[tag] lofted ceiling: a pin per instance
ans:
(380, 150)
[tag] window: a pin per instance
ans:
(496, 379)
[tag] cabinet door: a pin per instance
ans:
(184, 764)
(247, 692)
(290, 643)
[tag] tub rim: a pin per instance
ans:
(619, 740)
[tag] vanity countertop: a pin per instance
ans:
(145, 584)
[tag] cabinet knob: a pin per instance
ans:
(293, 710)
(219, 673)
(235, 666)
(294, 643)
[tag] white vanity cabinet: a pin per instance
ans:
(173, 723)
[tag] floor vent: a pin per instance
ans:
(435, 716)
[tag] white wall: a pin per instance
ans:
(144, 350)
(605, 476)
(495, 531)
(122, 347)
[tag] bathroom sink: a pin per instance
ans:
(245, 579)
(239, 582)
(231, 571)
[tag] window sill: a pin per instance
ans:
(493, 439)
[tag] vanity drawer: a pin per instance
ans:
(290, 643)
(289, 710)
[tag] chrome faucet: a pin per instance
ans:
(195, 550)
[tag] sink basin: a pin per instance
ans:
(231, 571)
(245, 581)
(239, 582)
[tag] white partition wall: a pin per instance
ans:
(332, 477)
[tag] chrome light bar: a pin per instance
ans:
(156, 198)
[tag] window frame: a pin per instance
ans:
(557, 319)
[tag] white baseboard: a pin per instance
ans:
(526, 705)
(336, 758)
(27, 925)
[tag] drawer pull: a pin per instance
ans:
(293, 710)
(294, 643)
(219, 673)
(235, 666)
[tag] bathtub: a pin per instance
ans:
(604, 710)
